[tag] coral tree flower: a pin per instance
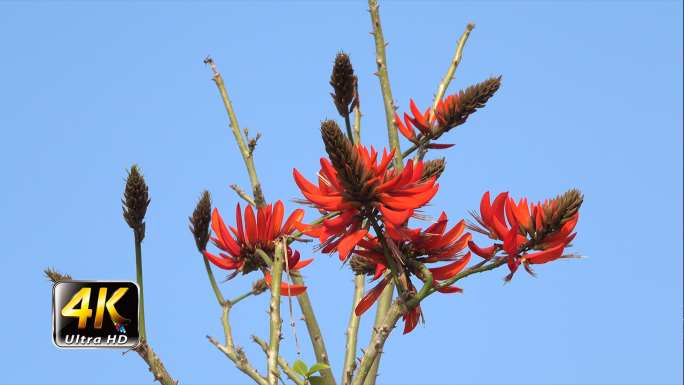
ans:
(545, 227)
(423, 122)
(433, 245)
(260, 231)
(355, 183)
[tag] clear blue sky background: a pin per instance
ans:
(591, 98)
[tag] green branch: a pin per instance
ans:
(466, 273)
(365, 372)
(235, 127)
(352, 332)
(213, 281)
(235, 355)
(139, 279)
(281, 362)
(274, 311)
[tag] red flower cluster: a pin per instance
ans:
(425, 125)
(430, 246)
(391, 195)
(259, 232)
(549, 226)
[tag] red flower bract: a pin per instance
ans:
(433, 245)
(366, 189)
(259, 232)
(545, 227)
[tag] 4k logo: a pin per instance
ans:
(78, 324)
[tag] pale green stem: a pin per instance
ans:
(139, 279)
(349, 129)
(213, 281)
(381, 61)
(240, 298)
(385, 298)
(425, 290)
(314, 329)
(466, 273)
(357, 123)
(378, 339)
(265, 257)
(281, 362)
(274, 311)
(444, 84)
(235, 127)
(237, 356)
(352, 331)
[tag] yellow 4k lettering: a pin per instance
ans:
(83, 296)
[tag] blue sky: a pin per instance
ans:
(591, 98)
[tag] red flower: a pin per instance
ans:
(423, 123)
(548, 226)
(368, 189)
(259, 232)
(430, 246)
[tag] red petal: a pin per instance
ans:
(301, 264)
(395, 217)
(304, 184)
(486, 209)
(250, 224)
(546, 255)
(276, 220)
(484, 253)
(449, 237)
(285, 289)
(411, 319)
(349, 242)
(448, 271)
(439, 146)
(221, 262)
(371, 297)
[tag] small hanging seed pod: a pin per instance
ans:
(201, 219)
(259, 286)
(343, 82)
(136, 202)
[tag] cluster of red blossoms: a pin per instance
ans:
(545, 227)
(431, 245)
(259, 232)
(354, 183)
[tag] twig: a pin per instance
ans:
(249, 160)
(289, 299)
(243, 195)
(291, 374)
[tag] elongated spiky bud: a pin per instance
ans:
(344, 83)
(433, 168)
(201, 219)
(55, 276)
(456, 108)
(136, 202)
(564, 208)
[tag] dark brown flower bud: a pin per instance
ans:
(564, 209)
(200, 219)
(343, 157)
(344, 83)
(259, 286)
(433, 168)
(361, 265)
(55, 276)
(136, 202)
(456, 108)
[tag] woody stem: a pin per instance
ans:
(249, 161)
(352, 332)
(274, 311)
(441, 90)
